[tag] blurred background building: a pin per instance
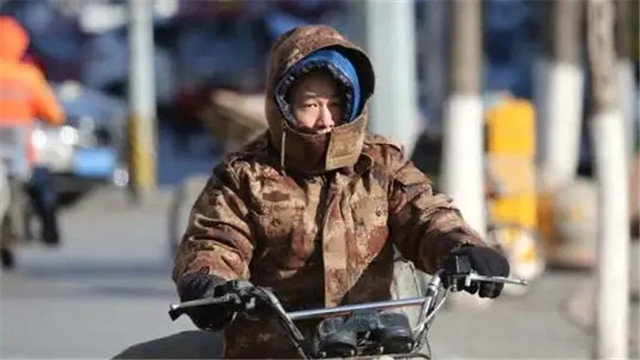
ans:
(201, 46)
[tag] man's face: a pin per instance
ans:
(317, 104)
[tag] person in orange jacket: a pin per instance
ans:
(26, 96)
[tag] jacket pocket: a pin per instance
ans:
(370, 211)
(275, 223)
(283, 240)
(370, 214)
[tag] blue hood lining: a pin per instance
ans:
(337, 65)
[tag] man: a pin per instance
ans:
(25, 96)
(314, 207)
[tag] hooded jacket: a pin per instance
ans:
(24, 92)
(309, 153)
(320, 239)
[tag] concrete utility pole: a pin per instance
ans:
(560, 93)
(389, 39)
(607, 129)
(433, 64)
(628, 94)
(142, 101)
(462, 174)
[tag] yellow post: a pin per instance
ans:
(511, 147)
(511, 178)
(142, 166)
(142, 101)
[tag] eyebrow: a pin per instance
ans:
(311, 95)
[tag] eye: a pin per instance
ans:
(336, 103)
(309, 105)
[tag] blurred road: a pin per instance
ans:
(108, 287)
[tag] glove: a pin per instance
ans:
(200, 285)
(484, 261)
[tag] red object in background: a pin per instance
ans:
(189, 101)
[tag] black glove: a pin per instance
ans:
(484, 261)
(200, 285)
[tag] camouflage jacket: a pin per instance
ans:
(318, 241)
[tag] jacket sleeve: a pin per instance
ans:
(426, 227)
(218, 237)
(45, 104)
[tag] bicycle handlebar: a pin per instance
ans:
(176, 310)
(242, 296)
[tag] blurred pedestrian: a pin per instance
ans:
(25, 96)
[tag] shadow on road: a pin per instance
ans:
(99, 269)
(91, 279)
(133, 291)
(184, 345)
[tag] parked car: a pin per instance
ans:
(89, 149)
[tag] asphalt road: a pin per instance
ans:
(108, 287)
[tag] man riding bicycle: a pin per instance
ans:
(25, 96)
(314, 207)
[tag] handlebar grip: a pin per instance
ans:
(177, 310)
(457, 264)
(496, 279)
(458, 270)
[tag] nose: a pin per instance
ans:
(325, 118)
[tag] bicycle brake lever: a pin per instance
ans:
(494, 279)
(177, 310)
